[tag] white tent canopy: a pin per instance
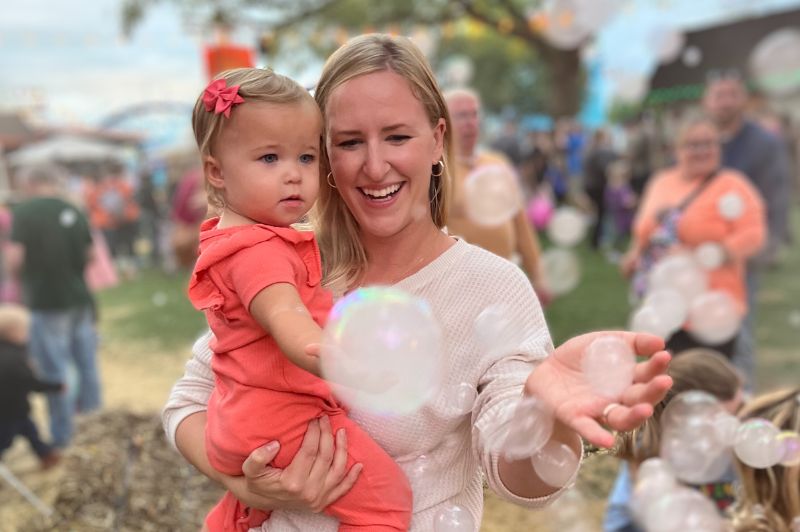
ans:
(69, 149)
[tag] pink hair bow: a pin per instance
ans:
(220, 99)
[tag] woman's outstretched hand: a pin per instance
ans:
(560, 383)
(316, 477)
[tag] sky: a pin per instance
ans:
(65, 62)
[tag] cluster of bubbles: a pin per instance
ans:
(678, 297)
(381, 351)
(699, 438)
(561, 267)
(492, 194)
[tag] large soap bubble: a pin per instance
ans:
(496, 330)
(757, 444)
(790, 448)
(683, 510)
(670, 306)
(648, 319)
(567, 227)
(714, 318)
(555, 464)
(518, 429)
(689, 438)
(710, 255)
(453, 518)
(381, 350)
(731, 206)
(492, 195)
(678, 272)
(608, 365)
(561, 269)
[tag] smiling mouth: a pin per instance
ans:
(381, 193)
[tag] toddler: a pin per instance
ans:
(259, 282)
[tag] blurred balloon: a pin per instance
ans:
(492, 195)
(710, 255)
(561, 270)
(460, 398)
(790, 448)
(453, 518)
(518, 429)
(689, 441)
(731, 206)
(540, 211)
(567, 227)
(678, 272)
(757, 444)
(608, 364)
(670, 306)
(649, 320)
(667, 43)
(556, 464)
(714, 318)
(381, 350)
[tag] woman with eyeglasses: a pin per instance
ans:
(695, 203)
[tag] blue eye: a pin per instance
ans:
(269, 158)
(307, 158)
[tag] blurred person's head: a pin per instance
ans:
(41, 179)
(769, 498)
(15, 323)
(619, 173)
(465, 108)
(271, 102)
(700, 369)
(697, 148)
(600, 138)
(725, 100)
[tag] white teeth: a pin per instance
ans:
(382, 192)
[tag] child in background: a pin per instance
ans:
(620, 207)
(693, 369)
(769, 499)
(17, 380)
(259, 282)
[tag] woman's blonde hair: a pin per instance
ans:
(693, 369)
(255, 85)
(343, 255)
(770, 498)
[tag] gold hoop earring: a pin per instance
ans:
(328, 179)
(439, 166)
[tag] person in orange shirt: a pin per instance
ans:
(510, 240)
(683, 207)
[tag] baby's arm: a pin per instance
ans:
(279, 309)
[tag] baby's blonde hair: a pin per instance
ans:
(343, 255)
(255, 85)
(770, 498)
(15, 322)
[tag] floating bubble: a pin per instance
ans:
(496, 330)
(492, 195)
(650, 487)
(710, 255)
(678, 272)
(420, 469)
(453, 518)
(561, 270)
(608, 365)
(731, 206)
(725, 427)
(653, 467)
(648, 320)
(667, 43)
(555, 464)
(67, 218)
(795, 526)
(568, 226)
(160, 299)
(692, 56)
(670, 306)
(689, 441)
(381, 350)
(757, 444)
(518, 429)
(683, 510)
(460, 398)
(790, 448)
(714, 318)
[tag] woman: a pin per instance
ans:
(684, 207)
(386, 143)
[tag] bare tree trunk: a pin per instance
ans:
(565, 79)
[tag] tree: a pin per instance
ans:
(509, 19)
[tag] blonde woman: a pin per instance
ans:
(384, 191)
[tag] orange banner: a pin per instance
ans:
(225, 56)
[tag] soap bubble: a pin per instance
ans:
(453, 518)
(653, 480)
(671, 307)
(710, 255)
(381, 350)
(689, 439)
(790, 448)
(731, 206)
(648, 320)
(496, 331)
(678, 272)
(567, 227)
(160, 299)
(714, 318)
(492, 195)
(683, 510)
(419, 471)
(608, 365)
(757, 444)
(725, 427)
(561, 270)
(460, 398)
(517, 429)
(555, 464)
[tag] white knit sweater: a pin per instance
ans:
(459, 284)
